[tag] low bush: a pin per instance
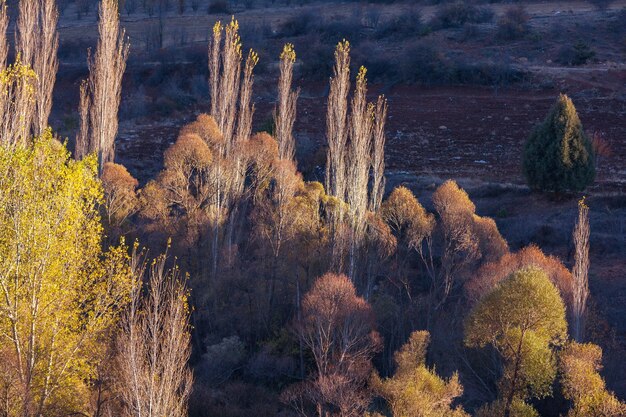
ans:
(268, 366)
(513, 24)
(491, 74)
(401, 27)
(75, 50)
(336, 30)
(577, 54)
(457, 14)
(221, 360)
(425, 65)
(317, 61)
(234, 399)
(601, 5)
(219, 7)
(135, 105)
(298, 25)
(378, 68)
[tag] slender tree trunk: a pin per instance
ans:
(299, 317)
(580, 271)
(518, 360)
(378, 155)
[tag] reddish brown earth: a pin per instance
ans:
(456, 132)
(475, 132)
(480, 133)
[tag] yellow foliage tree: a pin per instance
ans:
(523, 318)
(583, 385)
(407, 218)
(517, 408)
(17, 102)
(58, 290)
(415, 390)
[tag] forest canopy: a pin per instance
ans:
(252, 287)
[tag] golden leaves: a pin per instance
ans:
(218, 27)
(361, 76)
(63, 290)
(288, 53)
(343, 47)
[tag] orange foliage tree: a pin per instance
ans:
(491, 273)
(337, 327)
(465, 238)
(120, 197)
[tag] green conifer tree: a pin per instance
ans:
(558, 155)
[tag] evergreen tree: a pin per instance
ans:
(558, 155)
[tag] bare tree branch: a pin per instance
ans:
(106, 68)
(155, 344)
(357, 169)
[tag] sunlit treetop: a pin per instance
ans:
(288, 53)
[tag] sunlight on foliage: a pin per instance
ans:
(59, 290)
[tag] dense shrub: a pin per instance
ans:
(492, 74)
(601, 4)
(299, 24)
(269, 366)
(221, 360)
(317, 62)
(219, 7)
(336, 30)
(233, 399)
(558, 155)
(457, 14)
(578, 54)
(74, 49)
(513, 24)
(402, 27)
(424, 64)
(378, 69)
(518, 409)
